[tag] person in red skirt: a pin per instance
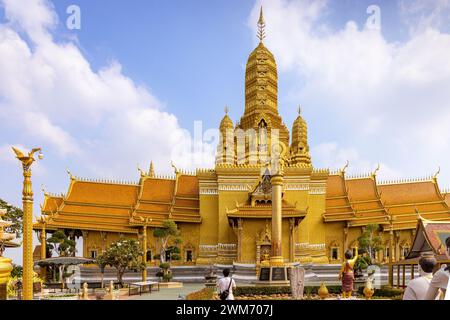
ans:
(347, 275)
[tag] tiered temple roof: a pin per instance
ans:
(120, 207)
(359, 201)
(265, 211)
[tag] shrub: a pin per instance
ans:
(157, 257)
(167, 277)
(176, 256)
(164, 266)
(204, 294)
(385, 291)
(240, 291)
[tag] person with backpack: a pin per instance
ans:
(226, 286)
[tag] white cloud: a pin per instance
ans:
(331, 155)
(422, 14)
(102, 121)
(390, 100)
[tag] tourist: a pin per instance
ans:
(226, 284)
(346, 274)
(440, 284)
(418, 287)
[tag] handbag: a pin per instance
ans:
(224, 294)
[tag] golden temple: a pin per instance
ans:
(224, 214)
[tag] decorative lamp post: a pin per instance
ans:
(27, 193)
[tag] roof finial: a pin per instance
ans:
(437, 173)
(261, 25)
(299, 110)
(174, 167)
(226, 109)
(151, 172)
(344, 168)
(374, 173)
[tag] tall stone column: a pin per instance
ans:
(144, 248)
(277, 185)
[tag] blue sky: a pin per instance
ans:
(124, 89)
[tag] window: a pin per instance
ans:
(148, 256)
(387, 252)
(334, 253)
(93, 254)
(188, 255)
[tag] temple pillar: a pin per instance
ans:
(345, 246)
(43, 239)
(292, 230)
(85, 235)
(103, 236)
(238, 231)
(397, 246)
(144, 256)
(391, 247)
(277, 185)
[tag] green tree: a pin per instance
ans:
(14, 215)
(167, 233)
(125, 254)
(370, 241)
(17, 271)
(102, 261)
(61, 244)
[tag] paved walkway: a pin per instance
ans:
(168, 294)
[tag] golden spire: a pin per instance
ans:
(226, 110)
(299, 110)
(261, 26)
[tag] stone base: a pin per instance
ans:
(170, 285)
(273, 276)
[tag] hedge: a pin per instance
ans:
(260, 290)
(385, 291)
